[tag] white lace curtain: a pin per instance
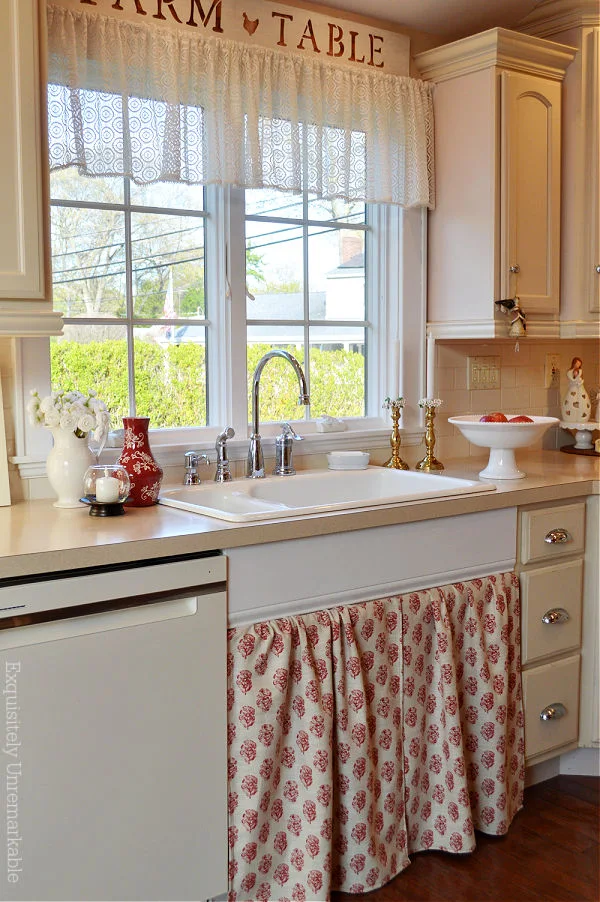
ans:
(156, 105)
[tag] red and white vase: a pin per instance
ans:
(145, 475)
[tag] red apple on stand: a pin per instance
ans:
(521, 419)
(493, 418)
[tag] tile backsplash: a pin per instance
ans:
(522, 389)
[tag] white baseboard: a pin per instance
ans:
(537, 773)
(582, 762)
(579, 762)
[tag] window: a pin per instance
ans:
(307, 293)
(171, 293)
(129, 276)
(146, 323)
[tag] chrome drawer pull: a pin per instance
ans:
(553, 712)
(556, 615)
(557, 537)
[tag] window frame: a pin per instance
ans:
(396, 272)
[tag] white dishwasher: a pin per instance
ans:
(113, 733)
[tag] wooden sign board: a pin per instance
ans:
(267, 24)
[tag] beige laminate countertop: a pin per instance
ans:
(37, 538)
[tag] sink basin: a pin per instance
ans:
(313, 492)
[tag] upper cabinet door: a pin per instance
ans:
(23, 228)
(591, 169)
(530, 200)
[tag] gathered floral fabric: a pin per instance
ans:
(135, 99)
(360, 734)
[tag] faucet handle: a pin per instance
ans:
(286, 430)
(192, 459)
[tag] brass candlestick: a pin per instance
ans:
(395, 462)
(429, 463)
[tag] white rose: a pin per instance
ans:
(47, 404)
(102, 425)
(52, 419)
(33, 409)
(86, 422)
(68, 420)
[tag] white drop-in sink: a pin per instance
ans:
(315, 491)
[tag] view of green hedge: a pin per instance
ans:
(170, 381)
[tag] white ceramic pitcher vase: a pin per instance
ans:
(66, 464)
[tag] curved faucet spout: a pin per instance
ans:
(256, 467)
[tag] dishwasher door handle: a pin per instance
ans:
(86, 624)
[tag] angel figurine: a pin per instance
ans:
(576, 406)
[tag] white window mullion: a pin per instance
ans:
(237, 357)
(129, 299)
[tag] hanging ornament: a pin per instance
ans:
(517, 324)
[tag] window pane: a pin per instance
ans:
(337, 371)
(171, 195)
(279, 388)
(88, 262)
(268, 202)
(335, 210)
(67, 184)
(170, 375)
(274, 271)
(168, 266)
(336, 265)
(93, 357)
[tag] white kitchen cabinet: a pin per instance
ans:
(578, 24)
(495, 231)
(25, 307)
(551, 569)
(589, 727)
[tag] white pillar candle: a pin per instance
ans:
(430, 380)
(107, 489)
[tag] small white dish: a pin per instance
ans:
(348, 460)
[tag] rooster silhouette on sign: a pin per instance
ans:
(250, 24)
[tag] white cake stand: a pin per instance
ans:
(502, 439)
(583, 434)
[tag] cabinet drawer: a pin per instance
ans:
(546, 592)
(552, 532)
(551, 684)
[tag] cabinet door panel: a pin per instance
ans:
(23, 221)
(530, 178)
(592, 170)
(546, 590)
(564, 523)
(553, 684)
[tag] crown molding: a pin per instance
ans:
(26, 319)
(490, 328)
(556, 16)
(495, 47)
(580, 329)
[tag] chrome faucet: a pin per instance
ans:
(256, 465)
(192, 459)
(223, 473)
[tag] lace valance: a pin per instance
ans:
(157, 105)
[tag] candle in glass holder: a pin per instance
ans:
(107, 490)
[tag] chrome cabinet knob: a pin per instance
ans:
(558, 536)
(553, 712)
(556, 615)
(598, 268)
(516, 268)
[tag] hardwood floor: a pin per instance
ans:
(550, 853)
